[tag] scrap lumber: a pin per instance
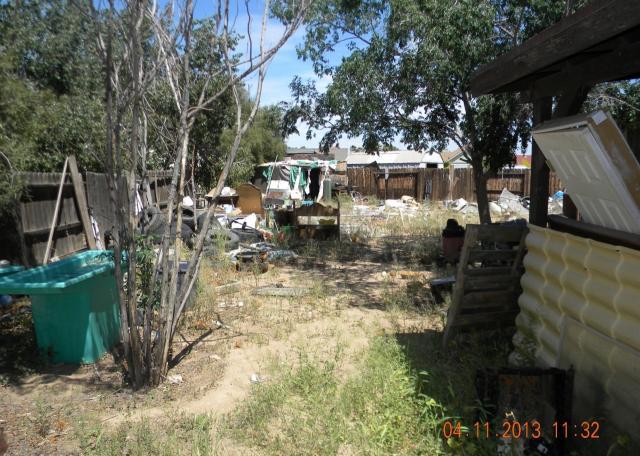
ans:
(56, 210)
(81, 200)
(487, 282)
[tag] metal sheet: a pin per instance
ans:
(580, 306)
(593, 160)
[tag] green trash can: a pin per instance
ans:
(74, 305)
(10, 269)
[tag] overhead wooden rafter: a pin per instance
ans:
(599, 43)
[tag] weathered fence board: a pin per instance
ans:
(36, 209)
(440, 184)
(159, 182)
(26, 237)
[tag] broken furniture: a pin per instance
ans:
(439, 285)
(488, 278)
(74, 305)
(317, 221)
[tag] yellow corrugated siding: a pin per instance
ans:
(593, 289)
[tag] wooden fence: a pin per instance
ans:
(439, 184)
(25, 237)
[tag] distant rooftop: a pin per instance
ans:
(335, 152)
(394, 158)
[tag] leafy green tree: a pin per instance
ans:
(622, 100)
(50, 86)
(408, 75)
(263, 142)
(213, 131)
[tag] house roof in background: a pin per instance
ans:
(313, 151)
(394, 157)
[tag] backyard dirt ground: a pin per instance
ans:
(234, 342)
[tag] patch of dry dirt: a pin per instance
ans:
(344, 309)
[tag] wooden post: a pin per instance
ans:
(81, 201)
(420, 179)
(54, 219)
(539, 190)
(451, 177)
(155, 189)
(569, 208)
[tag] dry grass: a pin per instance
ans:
(353, 367)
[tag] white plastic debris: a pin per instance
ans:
(187, 201)
(255, 378)
(495, 208)
(511, 203)
(459, 204)
(227, 191)
(175, 379)
(396, 204)
(249, 220)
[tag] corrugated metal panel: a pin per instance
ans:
(580, 306)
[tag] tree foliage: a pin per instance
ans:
(52, 101)
(621, 99)
(407, 74)
(50, 87)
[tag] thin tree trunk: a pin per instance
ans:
(135, 23)
(482, 197)
(168, 295)
(112, 145)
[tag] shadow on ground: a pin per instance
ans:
(20, 360)
(448, 375)
(355, 268)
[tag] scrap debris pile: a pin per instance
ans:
(243, 236)
(509, 206)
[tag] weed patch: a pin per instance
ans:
(308, 409)
(176, 435)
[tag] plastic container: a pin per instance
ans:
(6, 299)
(74, 305)
(11, 269)
(452, 241)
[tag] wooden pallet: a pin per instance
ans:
(488, 278)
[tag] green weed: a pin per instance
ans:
(309, 409)
(175, 435)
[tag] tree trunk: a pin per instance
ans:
(482, 198)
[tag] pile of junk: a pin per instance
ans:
(238, 227)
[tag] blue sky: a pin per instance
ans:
(283, 67)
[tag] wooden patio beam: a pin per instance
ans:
(539, 191)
